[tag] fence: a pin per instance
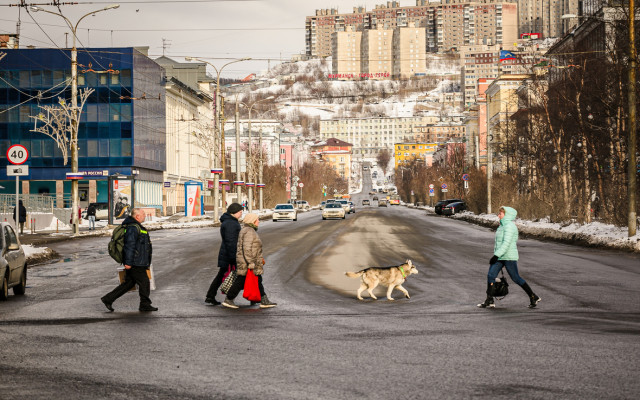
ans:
(32, 202)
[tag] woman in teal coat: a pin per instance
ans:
(505, 254)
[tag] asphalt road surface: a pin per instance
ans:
(582, 341)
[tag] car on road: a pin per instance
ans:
(285, 211)
(366, 202)
(442, 203)
(13, 263)
(345, 204)
(322, 203)
(102, 211)
(375, 198)
(454, 208)
(333, 210)
(353, 206)
(303, 204)
(382, 203)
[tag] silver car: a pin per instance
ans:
(285, 211)
(13, 263)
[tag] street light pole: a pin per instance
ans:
(75, 121)
(632, 166)
(219, 133)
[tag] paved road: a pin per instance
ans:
(320, 342)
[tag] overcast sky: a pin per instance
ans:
(215, 30)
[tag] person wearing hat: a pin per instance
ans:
(249, 257)
(229, 230)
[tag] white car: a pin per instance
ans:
(333, 210)
(345, 204)
(13, 263)
(285, 211)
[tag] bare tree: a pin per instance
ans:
(57, 122)
(383, 158)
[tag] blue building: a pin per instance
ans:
(122, 126)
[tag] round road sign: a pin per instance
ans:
(431, 186)
(301, 184)
(17, 154)
(444, 186)
(465, 177)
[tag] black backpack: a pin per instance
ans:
(116, 245)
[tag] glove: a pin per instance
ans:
(493, 260)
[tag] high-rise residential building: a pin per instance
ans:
(448, 24)
(545, 16)
(346, 60)
(409, 58)
(377, 53)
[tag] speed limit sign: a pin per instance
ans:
(17, 154)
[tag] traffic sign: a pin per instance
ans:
(444, 186)
(431, 186)
(465, 177)
(17, 154)
(301, 184)
(16, 171)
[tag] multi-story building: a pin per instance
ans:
(336, 153)
(409, 56)
(440, 132)
(346, 58)
(189, 111)
(377, 53)
(502, 103)
(122, 126)
(545, 16)
(410, 151)
(448, 24)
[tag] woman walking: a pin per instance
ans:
(248, 257)
(505, 254)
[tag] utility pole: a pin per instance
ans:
(632, 166)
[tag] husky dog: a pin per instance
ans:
(392, 277)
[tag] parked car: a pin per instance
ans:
(353, 207)
(382, 203)
(453, 208)
(366, 202)
(333, 210)
(102, 211)
(303, 205)
(13, 263)
(442, 203)
(285, 211)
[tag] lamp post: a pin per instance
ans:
(75, 121)
(219, 135)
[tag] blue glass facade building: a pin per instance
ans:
(122, 125)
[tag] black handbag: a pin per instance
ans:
(501, 287)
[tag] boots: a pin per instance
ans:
(489, 301)
(265, 303)
(229, 303)
(533, 298)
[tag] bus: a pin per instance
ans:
(394, 199)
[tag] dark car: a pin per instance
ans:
(453, 208)
(442, 203)
(366, 202)
(375, 198)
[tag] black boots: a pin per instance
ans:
(489, 301)
(533, 298)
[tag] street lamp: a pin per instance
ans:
(219, 130)
(75, 121)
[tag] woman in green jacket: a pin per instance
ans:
(505, 254)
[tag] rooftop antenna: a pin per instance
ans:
(166, 43)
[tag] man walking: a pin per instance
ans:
(91, 216)
(21, 216)
(137, 259)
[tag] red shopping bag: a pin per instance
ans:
(251, 290)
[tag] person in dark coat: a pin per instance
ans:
(91, 216)
(137, 259)
(22, 217)
(229, 230)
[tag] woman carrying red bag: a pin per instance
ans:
(249, 261)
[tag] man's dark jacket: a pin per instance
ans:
(91, 210)
(229, 230)
(137, 244)
(23, 212)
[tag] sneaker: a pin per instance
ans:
(534, 301)
(107, 304)
(265, 303)
(229, 303)
(148, 308)
(487, 303)
(212, 301)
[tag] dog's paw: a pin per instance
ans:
(390, 298)
(407, 296)
(360, 298)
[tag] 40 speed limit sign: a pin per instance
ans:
(17, 154)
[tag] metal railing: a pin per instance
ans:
(32, 202)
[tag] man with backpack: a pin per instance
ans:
(136, 257)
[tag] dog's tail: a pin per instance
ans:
(354, 274)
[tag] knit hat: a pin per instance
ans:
(250, 218)
(234, 208)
